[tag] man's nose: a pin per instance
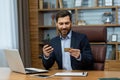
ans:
(64, 25)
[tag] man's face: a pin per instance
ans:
(64, 25)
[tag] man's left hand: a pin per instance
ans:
(75, 53)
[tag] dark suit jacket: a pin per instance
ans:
(78, 41)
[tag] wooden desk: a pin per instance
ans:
(6, 74)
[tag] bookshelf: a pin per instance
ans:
(42, 11)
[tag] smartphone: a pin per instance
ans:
(43, 76)
(46, 42)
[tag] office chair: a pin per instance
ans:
(97, 36)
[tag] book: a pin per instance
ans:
(40, 4)
(109, 79)
(60, 3)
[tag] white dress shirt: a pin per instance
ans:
(65, 43)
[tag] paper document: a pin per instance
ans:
(71, 74)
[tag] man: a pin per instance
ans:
(70, 50)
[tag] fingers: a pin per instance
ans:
(47, 50)
(74, 52)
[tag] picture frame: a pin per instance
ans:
(108, 2)
(78, 3)
(114, 37)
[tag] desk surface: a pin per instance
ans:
(7, 74)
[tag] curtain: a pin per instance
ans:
(23, 29)
(8, 28)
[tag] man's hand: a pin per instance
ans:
(47, 50)
(75, 53)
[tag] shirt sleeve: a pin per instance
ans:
(79, 59)
(46, 57)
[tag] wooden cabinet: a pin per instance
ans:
(112, 65)
(42, 15)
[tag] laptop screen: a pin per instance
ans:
(14, 60)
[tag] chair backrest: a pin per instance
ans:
(95, 34)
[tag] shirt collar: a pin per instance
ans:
(68, 36)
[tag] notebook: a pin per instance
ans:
(71, 74)
(15, 62)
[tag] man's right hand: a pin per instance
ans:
(47, 50)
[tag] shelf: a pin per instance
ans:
(107, 25)
(41, 43)
(56, 9)
(113, 43)
(98, 43)
(102, 7)
(46, 27)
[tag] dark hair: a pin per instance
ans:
(63, 13)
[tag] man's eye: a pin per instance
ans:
(67, 23)
(61, 23)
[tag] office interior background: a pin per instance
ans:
(15, 23)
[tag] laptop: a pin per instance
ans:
(15, 63)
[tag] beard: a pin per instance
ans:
(64, 32)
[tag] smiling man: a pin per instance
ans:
(70, 50)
